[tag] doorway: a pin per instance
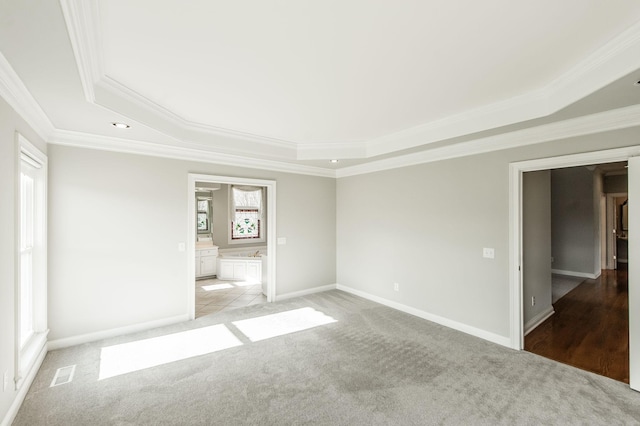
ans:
(617, 229)
(516, 241)
(206, 225)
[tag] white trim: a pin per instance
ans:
(22, 392)
(82, 19)
(516, 304)
(596, 123)
(13, 90)
(305, 292)
(114, 332)
(516, 171)
(538, 319)
(130, 146)
(614, 60)
(162, 117)
(619, 57)
(26, 356)
(473, 331)
(192, 178)
(575, 274)
(634, 274)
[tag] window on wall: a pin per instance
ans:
(246, 213)
(27, 204)
(31, 284)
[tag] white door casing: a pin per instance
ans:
(516, 170)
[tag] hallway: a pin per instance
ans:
(590, 327)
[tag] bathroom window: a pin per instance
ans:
(246, 210)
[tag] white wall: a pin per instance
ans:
(115, 222)
(424, 227)
(10, 122)
(536, 242)
(574, 221)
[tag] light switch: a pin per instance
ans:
(489, 253)
(181, 247)
(282, 241)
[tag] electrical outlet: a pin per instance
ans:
(533, 301)
(5, 381)
(396, 286)
(488, 253)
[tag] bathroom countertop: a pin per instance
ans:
(201, 246)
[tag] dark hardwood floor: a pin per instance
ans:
(590, 329)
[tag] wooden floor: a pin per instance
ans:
(590, 329)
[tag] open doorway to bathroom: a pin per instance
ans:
(231, 243)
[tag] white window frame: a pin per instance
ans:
(263, 231)
(33, 162)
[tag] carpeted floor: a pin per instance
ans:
(366, 364)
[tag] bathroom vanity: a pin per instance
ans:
(206, 261)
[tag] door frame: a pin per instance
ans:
(270, 185)
(612, 249)
(516, 171)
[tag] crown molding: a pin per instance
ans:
(83, 25)
(164, 116)
(129, 146)
(82, 19)
(13, 90)
(615, 59)
(596, 123)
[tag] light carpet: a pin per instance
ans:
(373, 365)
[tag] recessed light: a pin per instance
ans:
(119, 125)
(334, 161)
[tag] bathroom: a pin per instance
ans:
(231, 247)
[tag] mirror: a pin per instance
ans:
(203, 211)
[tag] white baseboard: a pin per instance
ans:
(305, 292)
(114, 332)
(575, 274)
(24, 388)
(483, 334)
(538, 319)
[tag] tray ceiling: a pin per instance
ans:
(304, 82)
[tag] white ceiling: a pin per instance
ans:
(301, 82)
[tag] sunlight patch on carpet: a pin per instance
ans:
(268, 326)
(139, 355)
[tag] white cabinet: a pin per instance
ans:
(254, 272)
(206, 261)
(240, 269)
(226, 271)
